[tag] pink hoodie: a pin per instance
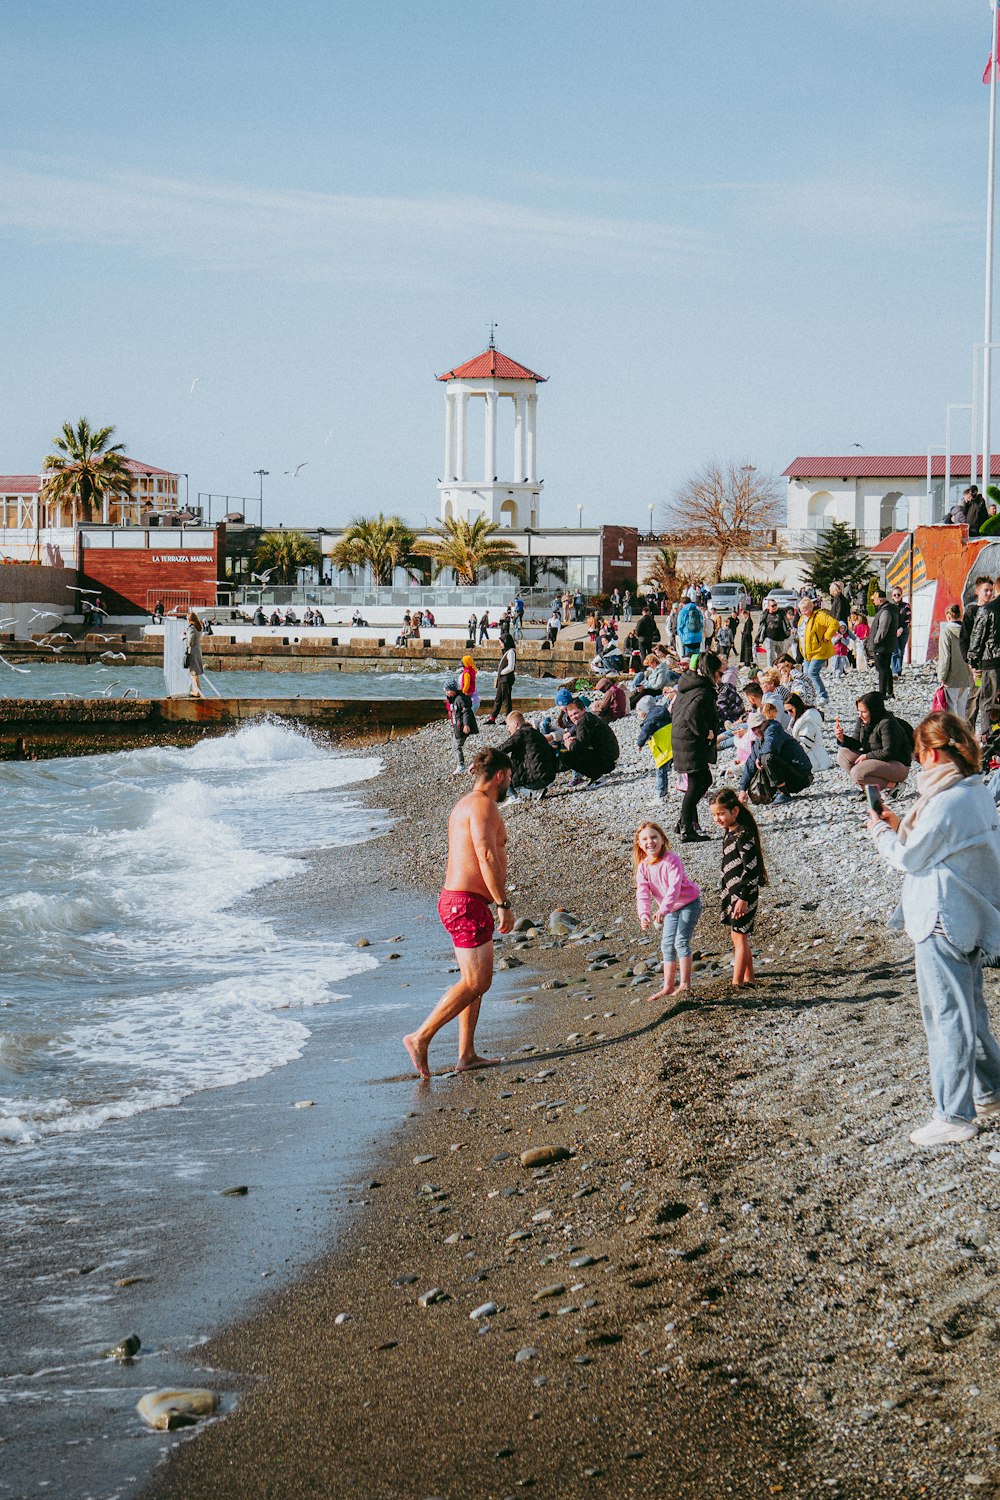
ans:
(667, 883)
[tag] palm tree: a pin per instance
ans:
(86, 468)
(380, 542)
(285, 552)
(469, 548)
(662, 570)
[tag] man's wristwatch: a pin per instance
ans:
(502, 905)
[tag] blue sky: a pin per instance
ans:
(721, 231)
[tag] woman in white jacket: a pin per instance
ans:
(948, 848)
(952, 668)
(806, 726)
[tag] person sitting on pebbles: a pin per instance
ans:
(880, 751)
(777, 761)
(590, 747)
(535, 763)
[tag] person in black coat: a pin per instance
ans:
(647, 630)
(696, 738)
(882, 642)
(590, 747)
(534, 761)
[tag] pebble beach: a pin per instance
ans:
(666, 1249)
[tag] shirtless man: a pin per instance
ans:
(476, 876)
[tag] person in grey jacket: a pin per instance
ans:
(948, 850)
(192, 653)
(952, 669)
(882, 642)
(984, 658)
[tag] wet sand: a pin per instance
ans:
(742, 1279)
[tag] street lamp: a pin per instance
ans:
(529, 533)
(262, 475)
(651, 510)
(952, 406)
(935, 448)
(579, 515)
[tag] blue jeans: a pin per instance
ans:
(813, 670)
(964, 1056)
(678, 930)
(663, 780)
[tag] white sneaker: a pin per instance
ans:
(944, 1132)
(988, 1108)
(458, 771)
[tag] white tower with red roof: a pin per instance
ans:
(507, 490)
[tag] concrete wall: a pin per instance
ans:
(28, 583)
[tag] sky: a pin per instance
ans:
(722, 232)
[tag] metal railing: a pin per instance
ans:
(387, 598)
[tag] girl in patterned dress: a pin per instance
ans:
(743, 874)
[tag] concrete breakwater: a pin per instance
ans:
(282, 652)
(33, 729)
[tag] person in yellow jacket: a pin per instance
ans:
(817, 633)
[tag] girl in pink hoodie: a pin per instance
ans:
(665, 894)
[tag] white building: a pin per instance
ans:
(874, 495)
(506, 489)
(33, 529)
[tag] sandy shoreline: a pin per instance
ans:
(775, 1294)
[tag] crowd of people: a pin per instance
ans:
(737, 713)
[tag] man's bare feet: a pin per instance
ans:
(663, 994)
(681, 989)
(475, 1061)
(418, 1054)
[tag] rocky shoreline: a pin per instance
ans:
(739, 1278)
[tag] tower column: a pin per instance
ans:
(530, 455)
(518, 439)
(449, 469)
(490, 444)
(462, 415)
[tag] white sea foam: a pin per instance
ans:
(128, 942)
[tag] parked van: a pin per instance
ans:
(727, 598)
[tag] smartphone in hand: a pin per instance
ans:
(875, 800)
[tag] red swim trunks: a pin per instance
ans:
(467, 918)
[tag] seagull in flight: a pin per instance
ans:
(195, 381)
(44, 614)
(74, 590)
(23, 670)
(49, 646)
(113, 655)
(295, 472)
(329, 436)
(262, 577)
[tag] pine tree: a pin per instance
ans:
(838, 556)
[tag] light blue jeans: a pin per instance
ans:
(963, 1054)
(813, 670)
(663, 781)
(678, 930)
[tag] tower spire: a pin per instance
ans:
(493, 329)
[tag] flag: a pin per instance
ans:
(993, 65)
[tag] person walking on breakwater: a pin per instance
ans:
(475, 877)
(192, 653)
(948, 849)
(743, 874)
(660, 877)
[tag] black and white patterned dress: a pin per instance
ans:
(740, 879)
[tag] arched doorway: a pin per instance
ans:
(893, 514)
(508, 514)
(822, 511)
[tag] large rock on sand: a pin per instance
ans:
(562, 923)
(166, 1410)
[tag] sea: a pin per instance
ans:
(195, 996)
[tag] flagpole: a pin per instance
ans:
(988, 318)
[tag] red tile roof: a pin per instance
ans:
(893, 466)
(30, 484)
(889, 543)
(491, 363)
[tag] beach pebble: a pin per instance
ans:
(342, 1318)
(131, 1280)
(363, 943)
(562, 923)
(486, 1310)
(555, 1290)
(582, 1260)
(523, 1355)
(420, 1161)
(404, 1280)
(428, 1298)
(235, 1192)
(542, 1156)
(126, 1348)
(306, 1104)
(166, 1410)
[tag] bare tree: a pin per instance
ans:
(727, 507)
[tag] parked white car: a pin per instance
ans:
(783, 598)
(727, 598)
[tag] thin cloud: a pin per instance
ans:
(308, 236)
